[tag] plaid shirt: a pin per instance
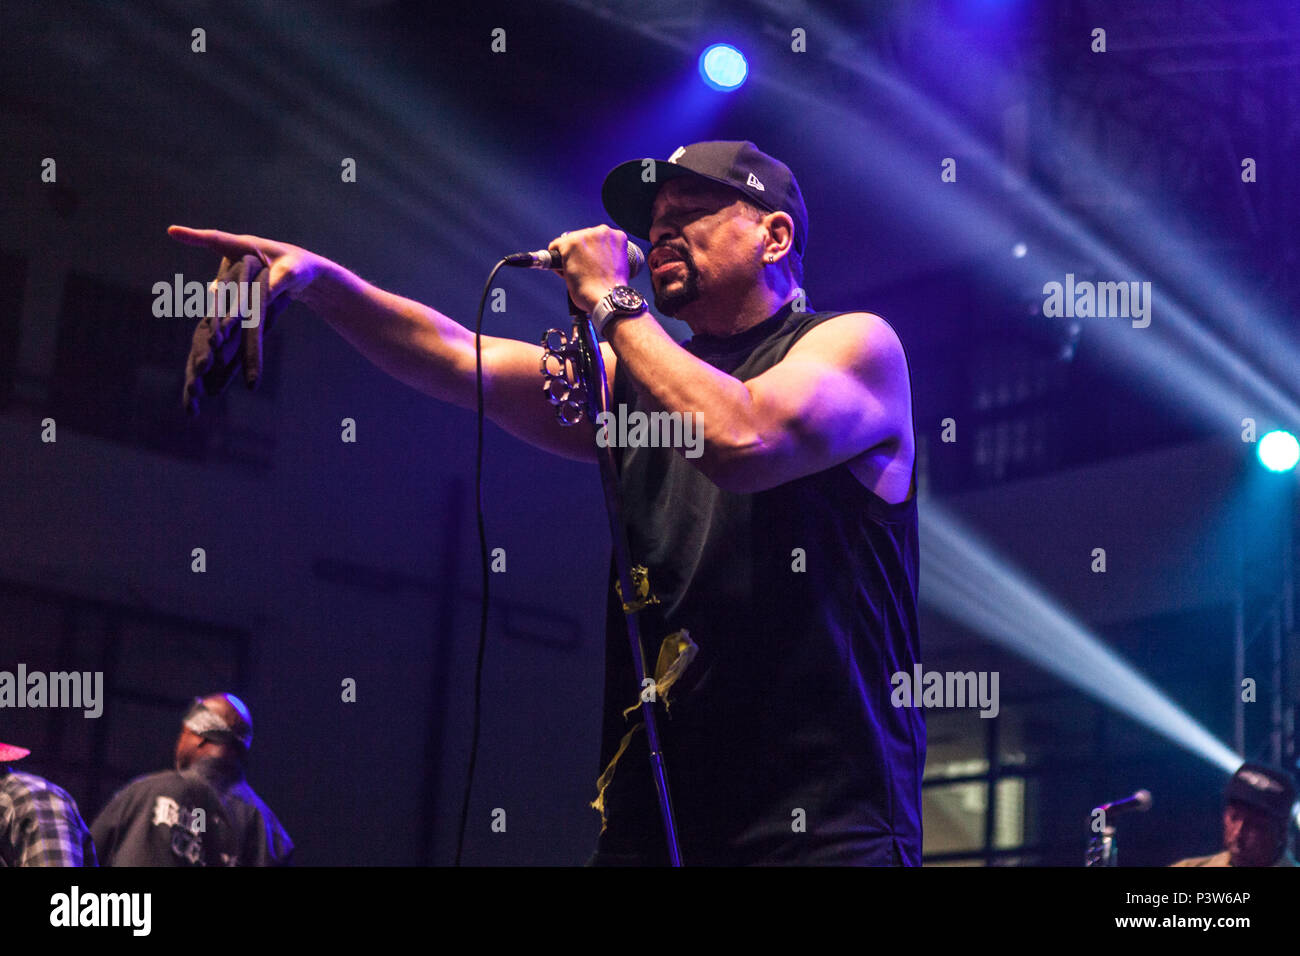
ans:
(40, 824)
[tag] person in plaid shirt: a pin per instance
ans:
(39, 822)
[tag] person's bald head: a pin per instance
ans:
(226, 738)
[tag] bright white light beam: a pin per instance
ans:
(962, 580)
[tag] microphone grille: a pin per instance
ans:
(635, 259)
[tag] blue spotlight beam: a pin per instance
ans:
(1219, 378)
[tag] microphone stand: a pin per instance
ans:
(591, 372)
(1102, 850)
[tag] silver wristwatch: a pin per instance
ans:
(619, 302)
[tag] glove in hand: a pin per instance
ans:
(221, 345)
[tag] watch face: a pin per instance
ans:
(626, 299)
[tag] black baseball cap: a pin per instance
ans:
(1266, 788)
(737, 164)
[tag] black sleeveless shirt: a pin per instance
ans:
(780, 741)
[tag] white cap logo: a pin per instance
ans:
(1259, 781)
(753, 183)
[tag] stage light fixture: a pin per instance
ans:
(723, 67)
(1278, 451)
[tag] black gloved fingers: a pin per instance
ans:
(254, 337)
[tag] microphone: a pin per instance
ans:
(544, 259)
(1140, 802)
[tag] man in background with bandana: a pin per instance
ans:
(203, 813)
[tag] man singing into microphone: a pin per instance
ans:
(785, 545)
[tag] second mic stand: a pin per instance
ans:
(1102, 850)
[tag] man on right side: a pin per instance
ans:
(1256, 820)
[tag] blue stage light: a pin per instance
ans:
(723, 67)
(1278, 451)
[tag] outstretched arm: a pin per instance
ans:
(414, 343)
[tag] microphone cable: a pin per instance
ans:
(483, 558)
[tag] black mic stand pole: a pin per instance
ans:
(598, 398)
(1102, 850)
